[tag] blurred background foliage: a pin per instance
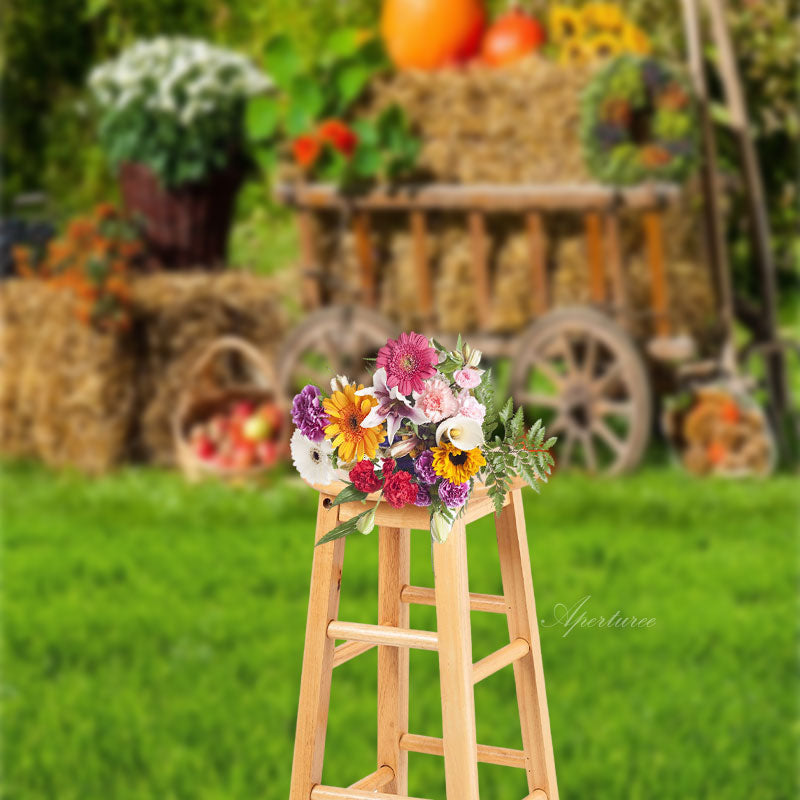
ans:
(49, 137)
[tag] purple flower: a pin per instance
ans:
(308, 414)
(392, 407)
(423, 497)
(423, 466)
(454, 495)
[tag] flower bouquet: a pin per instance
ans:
(424, 433)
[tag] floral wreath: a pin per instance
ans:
(638, 123)
(422, 434)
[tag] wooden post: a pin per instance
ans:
(393, 574)
(540, 295)
(613, 256)
(480, 266)
(594, 249)
(515, 566)
(455, 665)
(658, 278)
(315, 680)
(366, 258)
(421, 265)
(309, 260)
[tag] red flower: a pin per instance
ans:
(388, 467)
(339, 136)
(399, 490)
(364, 478)
(306, 150)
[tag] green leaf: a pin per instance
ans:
(344, 529)
(348, 495)
(261, 117)
(307, 98)
(343, 43)
(350, 81)
(367, 132)
(281, 60)
(367, 161)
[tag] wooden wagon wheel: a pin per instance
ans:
(582, 374)
(329, 342)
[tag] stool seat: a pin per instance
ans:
(394, 637)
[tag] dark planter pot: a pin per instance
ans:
(184, 226)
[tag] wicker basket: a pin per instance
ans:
(229, 370)
(186, 226)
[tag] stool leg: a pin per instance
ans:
(515, 566)
(455, 665)
(394, 548)
(315, 681)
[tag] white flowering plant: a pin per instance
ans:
(422, 434)
(176, 105)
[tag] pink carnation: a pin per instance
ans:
(437, 400)
(467, 378)
(468, 406)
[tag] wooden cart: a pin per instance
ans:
(578, 368)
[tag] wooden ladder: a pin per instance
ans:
(452, 640)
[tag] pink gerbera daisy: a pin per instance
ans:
(408, 360)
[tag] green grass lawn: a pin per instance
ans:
(153, 635)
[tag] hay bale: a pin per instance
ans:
(68, 391)
(519, 124)
(176, 317)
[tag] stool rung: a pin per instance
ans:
(494, 662)
(375, 780)
(320, 792)
(344, 652)
(432, 745)
(383, 634)
(422, 596)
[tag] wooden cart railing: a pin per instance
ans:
(599, 205)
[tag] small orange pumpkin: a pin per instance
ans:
(512, 37)
(428, 34)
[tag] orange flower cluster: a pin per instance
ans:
(93, 260)
(333, 132)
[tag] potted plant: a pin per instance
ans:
(172, 114)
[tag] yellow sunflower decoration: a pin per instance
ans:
(346, 412)
(565, 24)
(574, 53)
(604, 45)
(607, 17)
(454, 465)
(635, 40)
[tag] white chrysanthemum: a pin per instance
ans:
(312, 459)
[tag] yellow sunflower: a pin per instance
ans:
(604, 45)
(604, 16)
(346, 412)
(636, 40)
(574, 53)
(565, 23)
(454, 465)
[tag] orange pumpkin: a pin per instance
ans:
(428, 34)
(511, 37)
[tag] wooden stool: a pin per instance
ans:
(453, 640)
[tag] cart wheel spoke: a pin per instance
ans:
(608, 436)
(589, 454)
(614, 408)
(601, 384)
(590, 358)
(565, 456)
(549, 372)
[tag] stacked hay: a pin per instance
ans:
(513, 125)
(177, 317)
(72, 396)
(68, 391)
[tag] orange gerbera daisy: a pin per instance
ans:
(346, 412)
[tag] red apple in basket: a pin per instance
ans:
(256, 428)
(267, 453)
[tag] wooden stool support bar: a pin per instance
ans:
(349, 650)
(512, 652)
(320, 792)
(383, 634)
(422, 596)
(394, 638)
(487, 754)
(375, 780)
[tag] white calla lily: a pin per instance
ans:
(463, 432)
(440, 527)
